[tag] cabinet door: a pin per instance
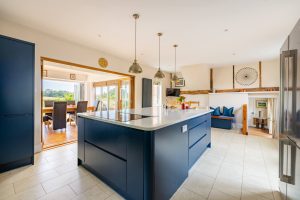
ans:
(16, 138)
(171, 159)
(16, 76)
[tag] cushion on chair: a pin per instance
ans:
(216, 112)
(228, 111)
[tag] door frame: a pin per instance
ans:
(42, 59)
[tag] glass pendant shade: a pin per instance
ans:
(175, 77)
(135, 67)
(159, 74)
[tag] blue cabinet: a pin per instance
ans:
(142, 165)
(16, 103)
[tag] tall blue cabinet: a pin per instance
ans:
(16, 103)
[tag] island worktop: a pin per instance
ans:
(144, 154)
(157, 117)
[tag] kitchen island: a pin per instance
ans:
(144, 154)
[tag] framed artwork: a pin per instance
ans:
(180, 82)
(73, 76)
(261, 104)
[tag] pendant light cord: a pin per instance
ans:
(135, 39)
(159, 52)
(175, 60)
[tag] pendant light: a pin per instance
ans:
(159, 74)
(135, 67)
(175, 77)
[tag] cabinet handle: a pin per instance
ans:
(287, 161)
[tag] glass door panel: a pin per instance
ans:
(125, 95)
(113, 97)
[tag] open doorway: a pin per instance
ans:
(263, 115)
(69, 88)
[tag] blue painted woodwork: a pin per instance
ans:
(16, 103)
(142, 165)
(222, 123)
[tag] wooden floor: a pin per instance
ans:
(53, 138)
(259, 132)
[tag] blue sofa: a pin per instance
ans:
(221, 121)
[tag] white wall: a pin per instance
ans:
(54, 47)
(197, 77)
(235, 100)
(222, 77)
(270, 73)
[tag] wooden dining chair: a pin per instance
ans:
(59, 115)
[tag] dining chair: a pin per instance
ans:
(59, 115)
(81, 107)
(48, 103)
(97, 103)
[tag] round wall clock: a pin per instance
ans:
(246, 76)
(102, 62)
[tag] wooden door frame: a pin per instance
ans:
(42, 59)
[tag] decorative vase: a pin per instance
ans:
(182, 106)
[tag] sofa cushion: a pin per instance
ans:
(217, 111)
(228, 111)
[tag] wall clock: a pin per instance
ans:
(102, 62)
(246, 76)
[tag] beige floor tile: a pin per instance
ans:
(34, 180)
(62, 180)
(6, 190)
(184, 194)
(93, 193)
(199, 184)
(63, 193)
(82, 184)
(218, 195)
(33, 193)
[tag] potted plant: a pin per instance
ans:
(181, 100)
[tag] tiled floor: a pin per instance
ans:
(236, 167)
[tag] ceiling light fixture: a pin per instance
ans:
(175, 77)
(159, 74)
(135, 67)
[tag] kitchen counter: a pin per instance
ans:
(159, 117)
(147, 158)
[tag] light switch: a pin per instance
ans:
(184, 129)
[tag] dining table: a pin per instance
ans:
(70, 108)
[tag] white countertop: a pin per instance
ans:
(160, 117)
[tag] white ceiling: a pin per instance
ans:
(256, 28)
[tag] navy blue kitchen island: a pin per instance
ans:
(144, 154)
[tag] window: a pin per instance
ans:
(157, 95)
(62, 90)
(125, 94)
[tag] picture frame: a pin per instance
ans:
(180, 82)
(261, 104)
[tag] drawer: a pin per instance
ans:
(198, 120)
(198, 132)
(111, 168)
(111, 138)
(196, 151)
